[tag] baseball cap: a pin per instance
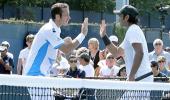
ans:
(127, 9)
(5, 43)
(108, 55)
(2, 48)
(113, 38)
(154, 63)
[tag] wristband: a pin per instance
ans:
(80, 37)
(106, 40)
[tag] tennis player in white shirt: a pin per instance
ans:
(43, 51)
(134, 45)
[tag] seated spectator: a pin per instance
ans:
(167, 49)
(74, 71)
(6, 62)
(61, 65)
(103, 53)
(110, 70)
(159, 51)
(84, 60)
(114, 39)
(23, 55)
(158, 76)
(7, 45)
(102, 56)
(83, 50)
(122, 73)
(162, 65)
(93, 46)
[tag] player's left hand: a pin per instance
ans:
(103, 28)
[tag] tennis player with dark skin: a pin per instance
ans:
(134, 46)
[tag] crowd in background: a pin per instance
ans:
(89, 62)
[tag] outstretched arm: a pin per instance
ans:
(70, 44)
(116, 51)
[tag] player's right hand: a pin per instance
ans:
(84, 27)
(67, 40)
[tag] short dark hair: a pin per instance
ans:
(57, 9)
(85, 56)
(129, 10)
(154, 64)
(132, 19)
(71, 56)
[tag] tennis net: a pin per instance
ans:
(15, 87)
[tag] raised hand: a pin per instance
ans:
(103, 28)
(84, 27)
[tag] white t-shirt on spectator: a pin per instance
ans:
(89, 70)
(135, 35)
(106, 71)
(10, 55)
(63, 64)
(23, 55)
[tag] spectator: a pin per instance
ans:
(102, 56)
(84, 60)
(93, 46)
(110, 70)
(159, 51)
(61, 66)
(158, 76)
(120, 60)
(114, 39)
(167, 49)
(162, 65)
(23, 55)
(74, 71)
(6, 62)
(122, 73)
(7, 45)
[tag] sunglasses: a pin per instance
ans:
(29, 41)
(158, 44)
(161, 61)
(154, 66)
(110, 57)
(73, 61)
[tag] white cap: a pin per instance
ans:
(5, 43)
(2, 48)
(109, 54)
(113, 38)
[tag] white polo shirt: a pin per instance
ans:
(106, 71)
(135, 35)
(43, 50)
(153, 57)
(89, 70)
